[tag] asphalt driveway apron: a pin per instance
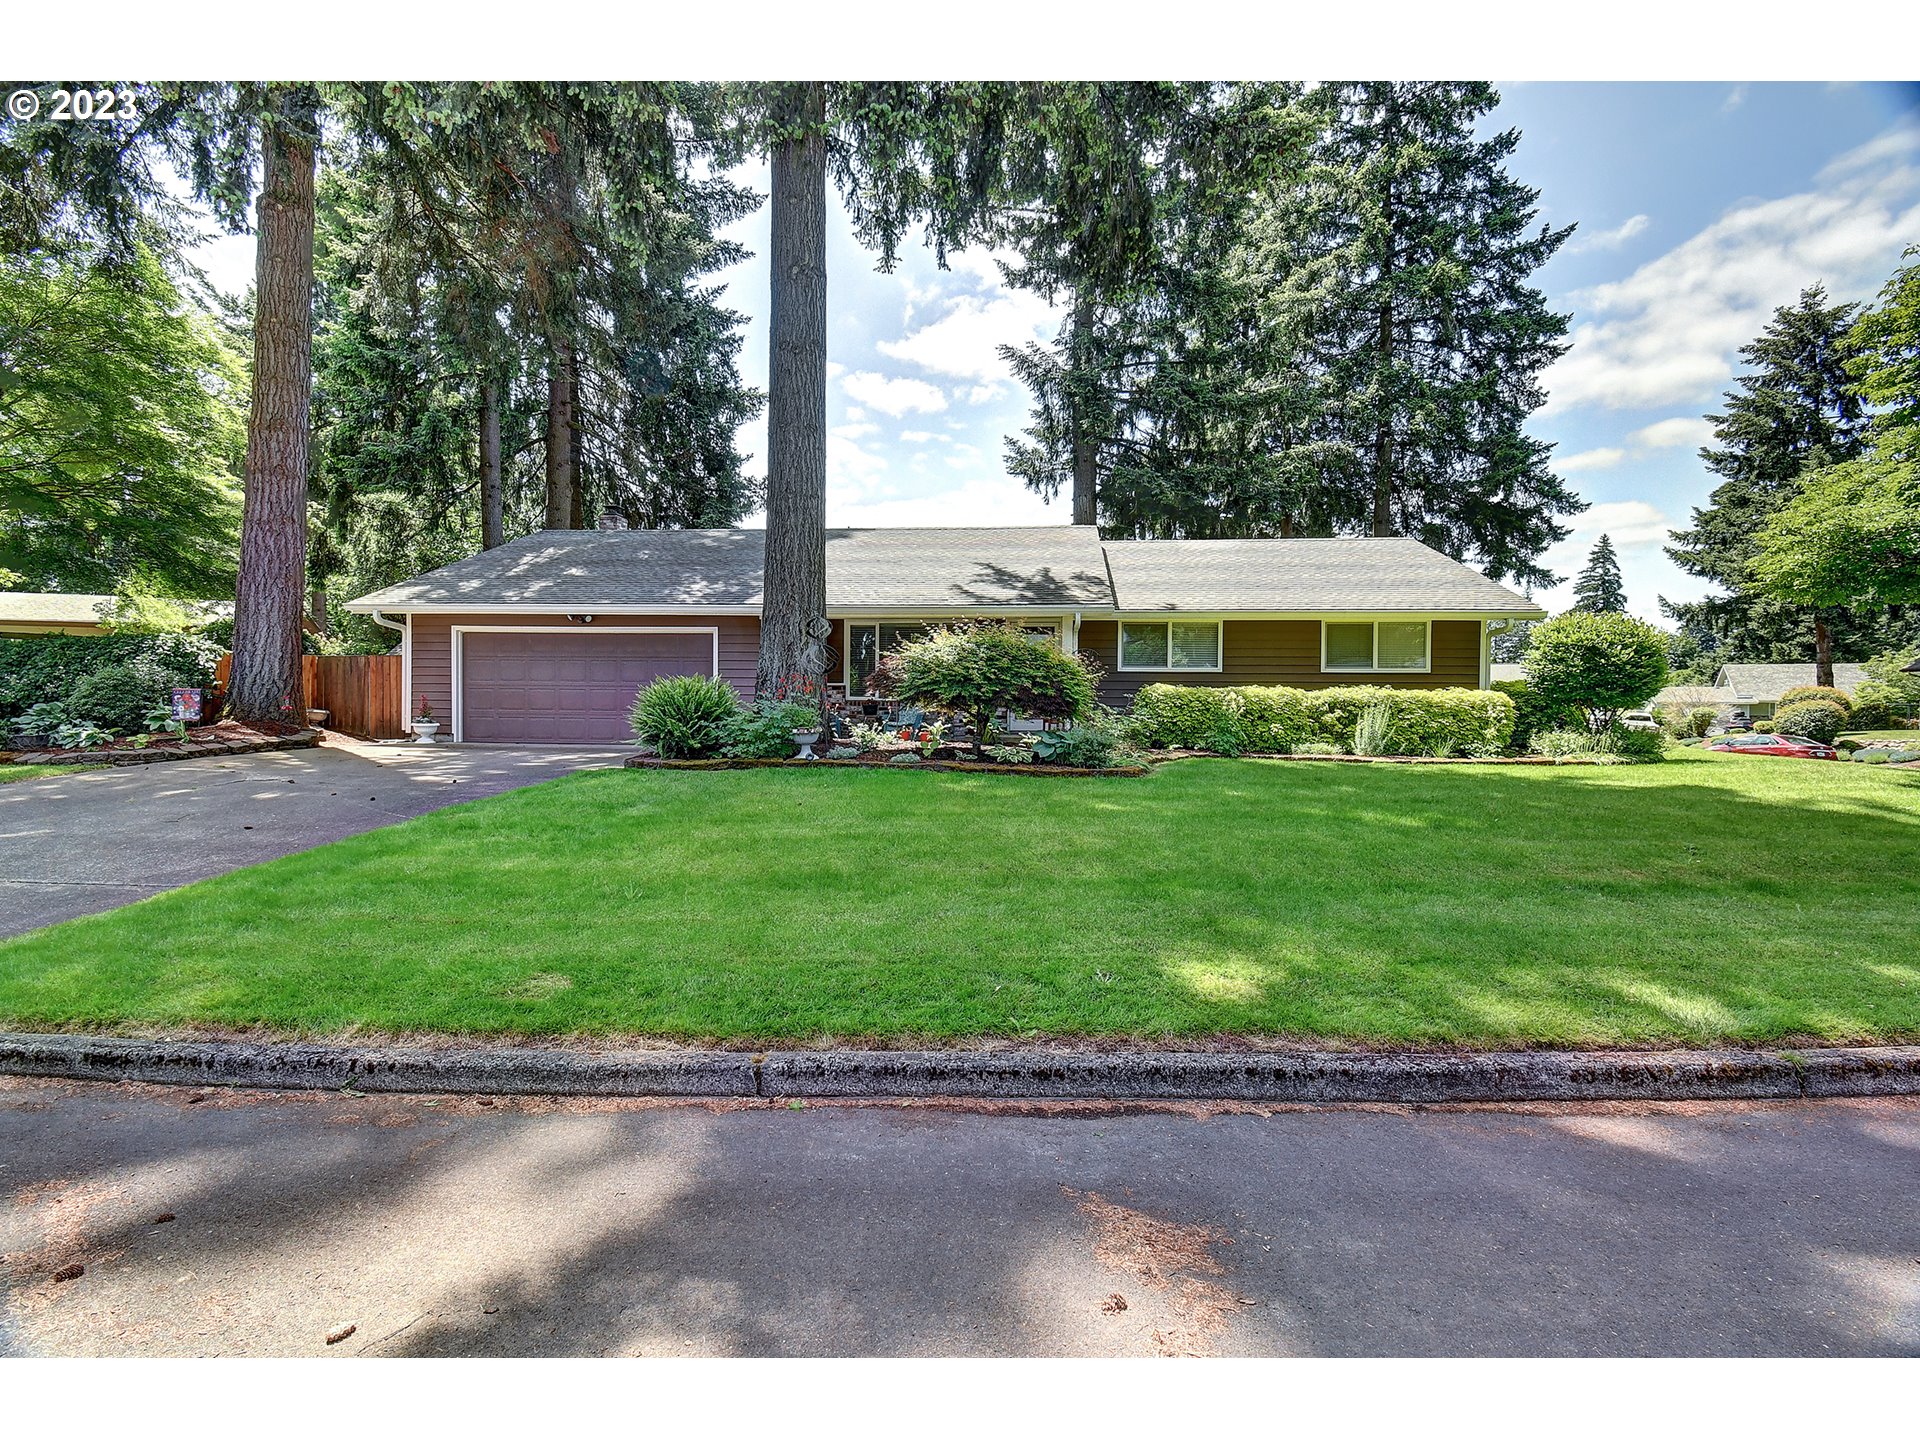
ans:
(72, 845)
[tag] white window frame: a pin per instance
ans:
(459, 633)
(1219, 647)
(1374, 669)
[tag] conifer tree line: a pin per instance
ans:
(484, 309)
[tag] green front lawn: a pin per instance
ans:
(1712, 897)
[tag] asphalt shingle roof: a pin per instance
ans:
(1042, 566)
(1769, 682)
(1381, 574)
(1051, 565)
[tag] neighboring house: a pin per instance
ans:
(28, 612)
(1506, 671)
(548, 637)
(1692, 697)
(1757, 689)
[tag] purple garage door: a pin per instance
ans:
(574, 687)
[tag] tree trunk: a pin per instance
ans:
(317, 609)
(560, 434)
(493, 523)
(271, 594)
(794, 590)
(1383, 363)
(1085, 451)
(578, 505)
(1822, 652)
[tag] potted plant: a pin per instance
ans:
(806, 739)
(425, 723)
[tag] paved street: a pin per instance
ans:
(71, 845)
(541, 1227)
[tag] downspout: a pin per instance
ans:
(406, 659)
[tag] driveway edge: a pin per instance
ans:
(1008, 1075)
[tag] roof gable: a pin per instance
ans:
(1766, 683)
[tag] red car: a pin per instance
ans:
(1760, 743)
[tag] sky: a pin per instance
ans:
(1700, 207)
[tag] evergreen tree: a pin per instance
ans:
(1395, 276)
(1598, 586)
(1794, 410)
(900, 152)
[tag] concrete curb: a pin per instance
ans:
(378, 1067)
(1008, 1075)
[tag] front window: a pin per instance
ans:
(1170, 645)
(867, 643)
(1375, 645)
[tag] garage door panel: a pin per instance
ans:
(567, 687)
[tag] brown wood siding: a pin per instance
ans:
(433, 647)
(1282, 652)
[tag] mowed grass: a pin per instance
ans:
(1709, 898)
(10, 773)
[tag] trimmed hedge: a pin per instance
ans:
(1533, 712)
(38, 668)
(1820, 720)
(1833, 696)
(1277, 718)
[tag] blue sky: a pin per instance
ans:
(1701, 207)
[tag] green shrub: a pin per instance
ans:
(1185, 717)
(1279, 719)
(1600, 662)
(980, 670)
(1686, 722)
(118, 697)
(37, 668)
(1615, 743)
(1797, 693)
(1820, 720)
(684, 717)
(1873, 757)
(1081, 747)
(1533, 712)
(1318, 747)
(764, 730)
(1870, 711)
(1373, 731)
(1271, 719)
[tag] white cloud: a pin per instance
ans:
(974, 313)
(982, 394)
(1688, 430)
(1610, 239)
(893, 396)
(1000, 501)
(1736, 97)
(1604, 459)
(854, 412)
(919, 437)
(857, 431)
(1628, 522)
(1669, 333)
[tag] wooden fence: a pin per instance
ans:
(361, 693)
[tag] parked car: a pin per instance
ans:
(1639, 720)
(1761, 743)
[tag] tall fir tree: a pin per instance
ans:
(1598, 586)
(1396, 275)
(1795, 410)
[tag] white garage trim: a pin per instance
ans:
(460, 633)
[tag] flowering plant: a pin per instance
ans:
(425, 712)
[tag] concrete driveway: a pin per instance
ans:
(458, 1226)
(72, 845)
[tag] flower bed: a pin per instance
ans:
(226, 737)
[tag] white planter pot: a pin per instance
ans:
(806, 740)
(424, 731)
